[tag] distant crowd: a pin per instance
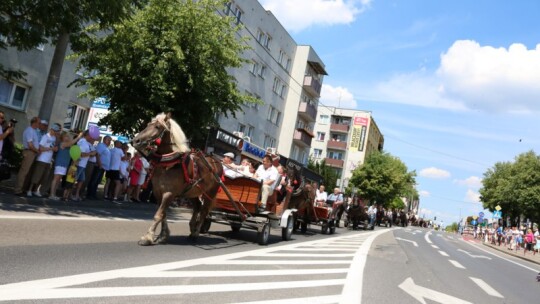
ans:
(524, 239)
(52, 167)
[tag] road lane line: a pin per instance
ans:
(457, 264)
(405, 240)
(486, 288)
(435, 246)
(314, 300)
(503, 258)
(443, 253)
(63, 293)
(426, 236)
(318, 255)
(318, 249)
(278, 262)
(236, 273)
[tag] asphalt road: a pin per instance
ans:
(444, 268)
(86, 255)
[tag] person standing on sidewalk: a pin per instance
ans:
(47, 146)
(91, 165)
(86, 153)
(104, 161)
(113, 175)
(61, 162)
(30, 151)
(529, 241)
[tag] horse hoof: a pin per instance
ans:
(193, 237)
(145, 242)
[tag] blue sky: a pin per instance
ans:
(453, 85)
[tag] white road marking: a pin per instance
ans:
(443, 253)
(435, 246)
(426, 236)
(418, 231)
(440, 235)
(474, 256)
(420, 293)
(508, 260)
(456, 264)
(236, 273)
(69, 286)
(485, 287)
(413, 242)
(313, 300)
(318, 249)
(450, 237)
(328, 247)
(68, 218)
(317, 255)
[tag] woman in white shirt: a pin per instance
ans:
(321, 197)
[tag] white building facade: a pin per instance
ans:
(344, 138)
(285, 76)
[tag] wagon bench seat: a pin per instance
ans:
(244, 190)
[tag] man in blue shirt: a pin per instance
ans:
(102, 165)
(30, 152)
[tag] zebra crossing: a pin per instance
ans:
(329, 270)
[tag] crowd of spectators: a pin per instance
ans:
(49, 170)
(513, 238)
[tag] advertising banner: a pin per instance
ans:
(358, 133)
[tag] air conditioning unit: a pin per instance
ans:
(271, 150)
(239, 134)
(247, 138)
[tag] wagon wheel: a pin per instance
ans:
(264, 234)
(332, 229)
(286, 232)
(235, 227)
(324, 228)
(206, 225)
(296, 226)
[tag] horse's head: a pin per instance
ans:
(162, 135)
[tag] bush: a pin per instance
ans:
(15, 157)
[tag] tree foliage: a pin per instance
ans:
(171, 56)
(515, 186)
(382, 178)
(328, 173)
(27, 23)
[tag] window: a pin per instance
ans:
(317, 153)
(269, 142)
(274, 115)
(267, 41)
(262, 71)
(279, 87)
(277, 84)
(233, 10)
(281, 57)
(76, 117)
(12, 94)
(335, 155)
(300, 124)
(288, 64)
(282, 91)
(324, 119)
(237, 12)
(254, 68)
(321, 136)
(263, 38)
(227, 8)
(241, 128)
(250, 131)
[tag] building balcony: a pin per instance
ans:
(339, 128)
(307, 111)
(336, 163)
(302, 138)
(312, 86)
(337, 145)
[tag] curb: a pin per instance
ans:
(514, 255)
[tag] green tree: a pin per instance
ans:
(171, 56)
(452, 227)
(328, 173)
(515, 186)
(382, 178)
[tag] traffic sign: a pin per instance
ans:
(497, 214)
(474, 217)
(498, 208)
(481, 214)
(474, 222)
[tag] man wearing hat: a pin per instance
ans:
(47, 146)
(42, 129)
(229, 167)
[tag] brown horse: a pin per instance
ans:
(178, 172)
(302, 197)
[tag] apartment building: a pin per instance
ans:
(21, 99)
(286, 76)
(344, 138)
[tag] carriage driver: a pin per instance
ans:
(229, 167)
(268, 174)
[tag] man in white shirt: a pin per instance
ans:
(229, 167)
(113, 175)
(321, 197)
(102, 166)
(47, 146)
(268, 174)
(86, 153)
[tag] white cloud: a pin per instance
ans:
(337, 97)
(470, 77)
(472, 196)
(473, 182)
(433, 172)
(298, 15)
(424, 193)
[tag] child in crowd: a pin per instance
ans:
(70, 180)
(61, 163)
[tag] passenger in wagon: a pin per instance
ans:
(268, 174)
(283, 184)
(244, 167)
(229, 167)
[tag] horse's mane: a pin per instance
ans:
(177, 135)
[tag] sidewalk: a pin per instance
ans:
(518, 254)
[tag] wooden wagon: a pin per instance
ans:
(318, 215)
(237, 205)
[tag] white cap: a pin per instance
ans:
(229, 154)
(44, 122)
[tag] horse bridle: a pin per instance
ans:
(155, 140)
